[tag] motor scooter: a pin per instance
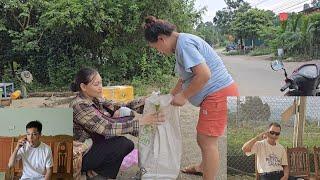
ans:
(304, 80)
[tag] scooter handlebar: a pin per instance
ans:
(285, 86)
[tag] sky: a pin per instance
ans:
(275, 5)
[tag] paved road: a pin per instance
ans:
(254, 75)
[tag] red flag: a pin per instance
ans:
(283, 16)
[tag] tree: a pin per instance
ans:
(250, 23)
(54, 39)
(314, 31)
(234, 4)
(298, 38)
(224, 17)
(207, 32)
(254, 109)
(18, 31)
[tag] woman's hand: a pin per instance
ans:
(151, 118)
(116, 114)
(284, 178)
(177, 88)
(179, 100)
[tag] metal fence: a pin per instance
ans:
(249, 116)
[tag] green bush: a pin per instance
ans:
(143, 87)
(61, 37)
(261, 51)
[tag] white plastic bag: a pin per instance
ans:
(160, 146)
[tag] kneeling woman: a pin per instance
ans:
(93, 120)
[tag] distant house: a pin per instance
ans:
(310, 10)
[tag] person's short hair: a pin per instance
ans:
(275, 124)
(34, 124)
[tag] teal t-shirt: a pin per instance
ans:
(190, 51)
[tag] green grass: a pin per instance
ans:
(296, 58)
(143, 87)
(237, 136)
(260, 51)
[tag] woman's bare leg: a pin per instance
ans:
(210, 156)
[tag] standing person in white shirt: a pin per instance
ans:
(271, 156)
(36, 156)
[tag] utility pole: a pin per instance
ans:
(298, 108)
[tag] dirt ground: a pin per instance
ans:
(191, 152)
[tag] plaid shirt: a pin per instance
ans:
(90, 117)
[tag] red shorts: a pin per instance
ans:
(213, 113)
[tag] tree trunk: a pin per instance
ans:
(241, 45)
(13, 73)
(252, 43)
(310, 47)
(1, 72)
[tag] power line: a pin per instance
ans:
(286, 4)
(261, 2)
(273, 6)
(296, 8)
(280, 6)
(277, 4)
(255, 3)
(291, 6)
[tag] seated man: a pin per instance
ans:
(271, 156)
(36, 156)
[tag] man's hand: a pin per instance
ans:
(48, 174)
(12, 159)
(179, 100)
(246, 148)
(21, 142)
(262, 136)
(285, 172)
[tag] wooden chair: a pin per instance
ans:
(316, 155)
(61, 146)
(298, 162)
(77, 159)
(5, 149)
(5, 152)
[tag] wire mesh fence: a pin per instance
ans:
(250, 116)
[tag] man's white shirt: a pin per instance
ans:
(269, 157)
(35, 161)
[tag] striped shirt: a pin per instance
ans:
(91, 117)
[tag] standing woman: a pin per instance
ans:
(204, 81)
(93, 122)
